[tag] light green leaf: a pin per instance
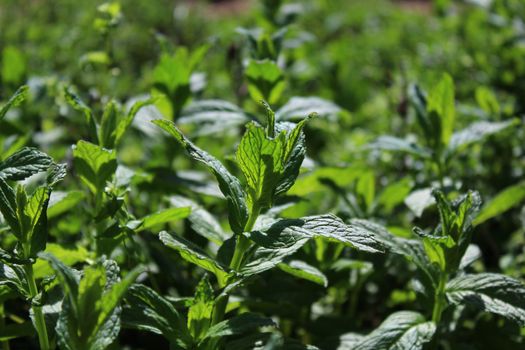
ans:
(419, 200)
(193, 254)
(261, 161)
(403, 330)
(299, 107)
(201, 309)
(441, 102)
(477, 132)
(213, 116)
(14, 65)
(394, 193)
(164, 217)
(229, 185)
(240, 324)
(19, 96)
(126, 121)
(60, 202)
(265, 80)
(68, 256)
(490, 292)
(395, 144)
(95, 165)
(503, 201)
(302, 270)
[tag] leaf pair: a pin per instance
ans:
(90, 315)
(109, 130)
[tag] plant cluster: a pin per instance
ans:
(301, 175)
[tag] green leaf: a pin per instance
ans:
(202, 222)
(19, 96)
(419, 200)
(261, 161)
(126, 121)
(441, 103)
(193, 254)
(68, 278)
(146, 310)
(68, 256)
(395, 144)
(265, 80)
(201, 309)
(295, 152)
(79, 105)
(503, 201)
(108, 125)
(495, 293)
(164, 217)
(14, 66)
(111, 299)
(476, 132)
(394, 193)
(240, 324)
(400, 331)
(95, 165)
(61, 202)
(283, 238)
(8, 207)
(302, 270)
(36, 211)
(213, 116)
(299, 107)
(229, 185)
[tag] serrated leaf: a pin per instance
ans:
(403, 330)
(283, 238)
(490, 292)
(8, 207)
(302, 270)
(164, 217)
(68, 256)
(229, 185)
(18, 97)
(476, 132)
(95, 165)
(126, 121)
(261, 161)
(146, 310)
(193, 254)
(238, 325)
(108, 125)
(299, 107)
(503, 201)
(24, 163)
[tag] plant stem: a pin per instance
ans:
(439, 298)
(40, 322)
(240, 248)
(5, 343)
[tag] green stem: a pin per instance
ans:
(5, 343)
(40, 322)
(439, 298)
(240, 248)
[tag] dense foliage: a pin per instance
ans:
(262, 174)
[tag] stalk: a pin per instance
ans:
(240, 248)
(5, 343)
(40, 322)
